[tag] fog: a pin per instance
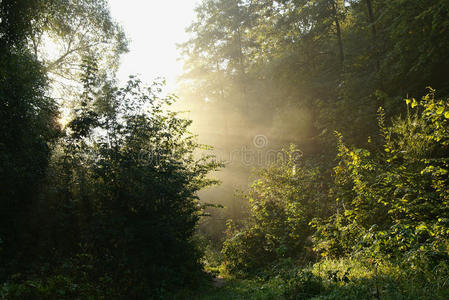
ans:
(247, 132)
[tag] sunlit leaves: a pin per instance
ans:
(409, 178)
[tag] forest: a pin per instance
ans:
(304, 154)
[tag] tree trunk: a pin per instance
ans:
(371, 19)
(338, 28)
(373, 32)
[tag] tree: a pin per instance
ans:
(283, 200)
(28, 129)
(68, 31)
(129, 171)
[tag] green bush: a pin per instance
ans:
(394, 200)
(283, 202)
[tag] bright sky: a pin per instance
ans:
(153, 28)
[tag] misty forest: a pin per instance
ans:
(303, 155)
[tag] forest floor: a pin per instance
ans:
(235, 289)
(334, 279)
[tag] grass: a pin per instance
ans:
(339, 279)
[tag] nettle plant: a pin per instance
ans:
(397, 198)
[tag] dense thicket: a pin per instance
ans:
(103, 203)
(28, 126)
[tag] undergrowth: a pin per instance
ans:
(339, 279)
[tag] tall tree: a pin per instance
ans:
(27, 129)
(68, 31)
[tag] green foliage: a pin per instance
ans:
(283, 202)
(107, 206)
(340, 279)
(333, 61)
(57, 287)
(299, 70)
(128, 170)
(390, 213)
(77, 29)
(395, 199)
(27, 132)
(335, 236)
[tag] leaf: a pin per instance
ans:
(440, 110)
(414, 103)
(421, 227)
(446, 115)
